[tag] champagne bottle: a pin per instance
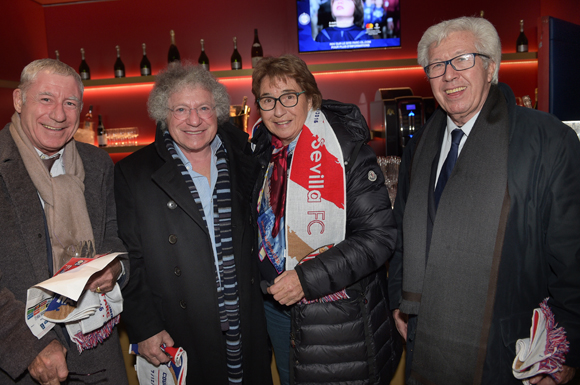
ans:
(522, 42)
(257, 52)
(173, 54)
(57, 55)
(84, 70)
(145, 64)
(236, 57)
(203, 59)
(101, 133)
(119, 66)
(88, 125)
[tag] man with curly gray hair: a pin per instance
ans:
(489, 221)
(185, 217)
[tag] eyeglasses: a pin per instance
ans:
(182, 113)
(290, 99)
(459, 63)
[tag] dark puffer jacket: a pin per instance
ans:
(350, 341)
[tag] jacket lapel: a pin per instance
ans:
(25, 204)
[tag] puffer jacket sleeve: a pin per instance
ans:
(370, 233)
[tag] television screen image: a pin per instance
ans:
(330, 25)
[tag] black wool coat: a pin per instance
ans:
(173, 285)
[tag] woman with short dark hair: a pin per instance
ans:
(326, 231)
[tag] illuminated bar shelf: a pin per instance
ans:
(315, 68)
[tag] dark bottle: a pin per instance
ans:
(257, 52)
(88, 125)
(173, 54)
(57, 55)
(145, 65)
(84, 70)
(236, 57)
(203, 59)
(522, 42)
(119, 66)
(101, 133)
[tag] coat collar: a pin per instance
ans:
(25, 204)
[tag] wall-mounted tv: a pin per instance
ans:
(335, 25)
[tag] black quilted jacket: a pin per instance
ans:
(350, 341)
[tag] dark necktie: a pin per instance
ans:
(48, 162)
(456, 136)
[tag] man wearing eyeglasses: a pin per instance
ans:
(489, 220)
(183, 204)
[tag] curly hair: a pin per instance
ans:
(286, 67)
(31, 71)
(175, 78)
(486, 39)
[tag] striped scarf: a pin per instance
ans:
(226, 281)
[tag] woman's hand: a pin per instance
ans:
(287, 289)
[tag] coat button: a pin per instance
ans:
(252, 281)
(183, 304)
(173, 239)
(177, 271)
(171, 205)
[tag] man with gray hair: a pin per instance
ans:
(184, 211)
(56, 202)
(489, 220)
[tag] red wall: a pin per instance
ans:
(98, 27)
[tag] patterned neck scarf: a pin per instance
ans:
(226, 281)
(278, 181)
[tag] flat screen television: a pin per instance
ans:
(338, 25)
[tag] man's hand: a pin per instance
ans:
(49, 366)
(287, 288)
(151, 348)
(105, 279)
(565, 375)
(401, 320)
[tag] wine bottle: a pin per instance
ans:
(203, 59)
(57, 55)
(84, 70)
(88, 125)
(101, 133)
(236, 57)
(522, 42)
(536, 103)
(257, 52)
(145, 64)
(119, 66)
(173, 54)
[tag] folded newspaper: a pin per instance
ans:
(544, 352)
(89, 317)
(172, 373)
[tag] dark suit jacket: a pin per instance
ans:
(173, 285)
(23, 263)
(540, 255)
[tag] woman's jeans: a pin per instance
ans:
(278, 322)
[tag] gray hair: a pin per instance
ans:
(177, 77)
(486, 40)
(31, 71)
